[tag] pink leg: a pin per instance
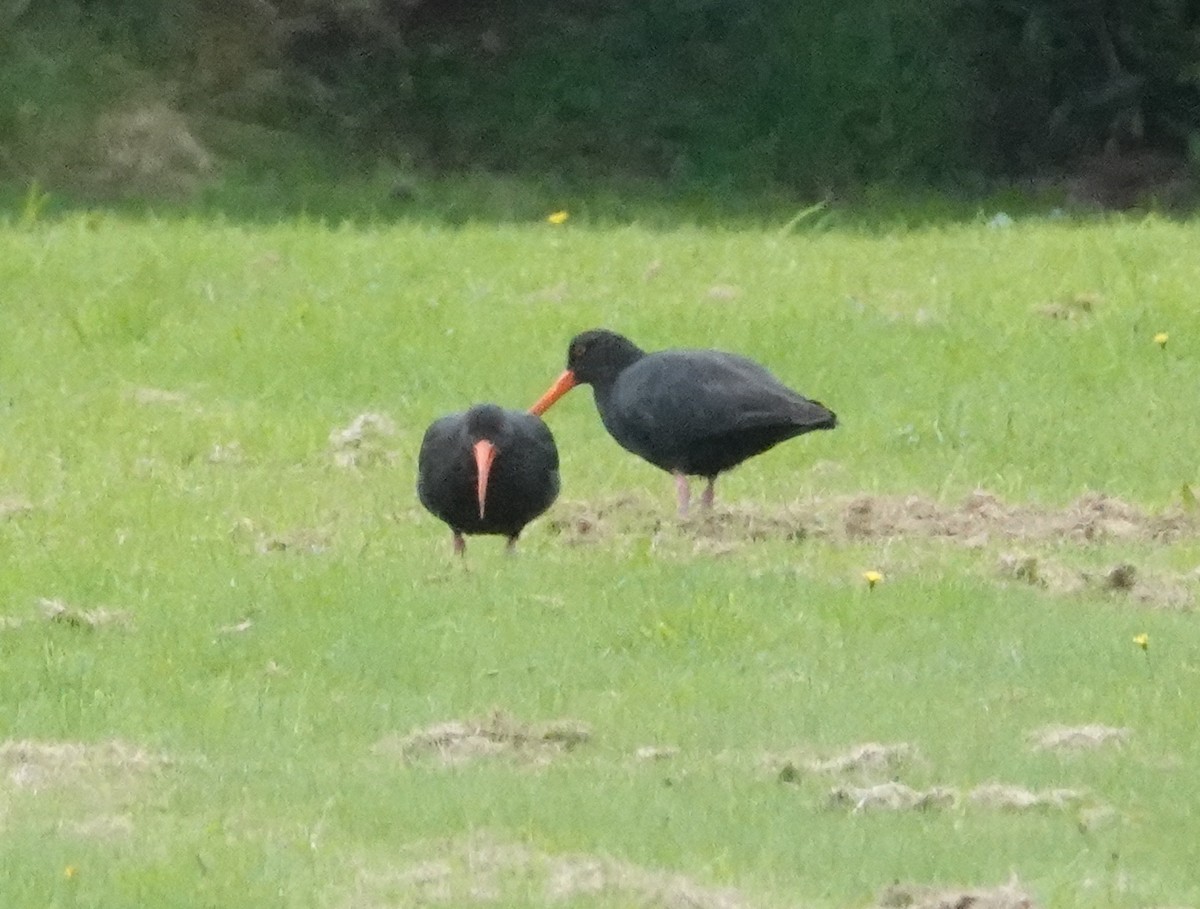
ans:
(706, 499)
(460, 545)
(684, 492)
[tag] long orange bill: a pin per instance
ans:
(561, 386)
(485, 453)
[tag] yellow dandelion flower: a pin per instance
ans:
(558, 217)
(1161, 339)
(872, 578)
(1142, 640)
(69, 872)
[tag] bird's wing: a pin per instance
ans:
(533, 434)
(698, 393)
(439, 438)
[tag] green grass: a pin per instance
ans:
(929, 345)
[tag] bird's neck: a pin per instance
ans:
(618, 361)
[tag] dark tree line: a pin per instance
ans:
(809, 92)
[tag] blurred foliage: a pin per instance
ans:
(807, 94)
(816, 95)
(1065, 78)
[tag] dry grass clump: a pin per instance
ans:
(890, 796)
(457, 742)
(484, 870)
(871, 757)
(896, 796)
(59, 612)
(983, 517)
(1078, 738)
(38, 764)
(363, 442)
(12, 506)
(918, 896)
(1121, 579)
(1006, 797)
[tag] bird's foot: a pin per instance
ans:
(706, 498)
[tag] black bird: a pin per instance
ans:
(488, 470)
(690, 412)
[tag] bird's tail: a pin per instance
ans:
(818, 416)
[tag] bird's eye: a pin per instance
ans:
(578, 350)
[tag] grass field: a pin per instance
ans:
(223, 630)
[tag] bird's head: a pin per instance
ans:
(594, 358)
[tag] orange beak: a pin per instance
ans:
(561, 386)
(485, 453)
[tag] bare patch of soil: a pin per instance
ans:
(364, 442)
(656, 753)
(724, 293)
(871, 757)
(1005, 797)
(1096, 817)
(918, 896)
(311, 540)
(1047, 574)
(1077, 307)
(38, 764)
(584, 523)
(984, 517)
(745, 523)
(980, 519)
(714, 532)
(484, 870)
(14, 506)
(1078, 738)
(302, 539)
(865, 760)
(1122, 579)
(573, 876)
(459, 742)
(890, 796)
(153, 397)
(896, 796)
(104, 827)
(60, 613)
(226, 453)
(714, 548)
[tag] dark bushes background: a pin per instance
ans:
(811, 93)
(1063, 78)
